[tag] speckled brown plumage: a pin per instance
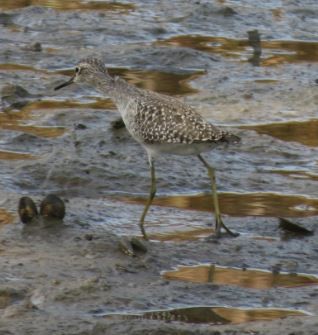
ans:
(161, 124)
(153, 118)
(161, 121)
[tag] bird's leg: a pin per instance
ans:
(152, 194)
(218, 220)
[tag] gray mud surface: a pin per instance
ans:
(73, 277)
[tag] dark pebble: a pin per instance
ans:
(27, 209)
(52, 207)
(80, 126)
(36, 46)
(16, 91)
(89, 237)
(118, 124)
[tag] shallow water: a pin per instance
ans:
(211, 315)
(242, 204)
(304, 132)
(66, 5)
(250, 278)
(69, 143)
(275, 52)
(5, 217)
(264, 176)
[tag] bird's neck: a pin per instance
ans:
(119, 90)
(104, 82)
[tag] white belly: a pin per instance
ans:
(178, 148)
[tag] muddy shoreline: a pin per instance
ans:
(74, 277)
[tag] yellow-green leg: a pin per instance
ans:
(218, 220)
(152, 194)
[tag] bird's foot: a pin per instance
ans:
(143, 231)
(219, 226)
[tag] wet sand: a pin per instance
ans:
(74, 277)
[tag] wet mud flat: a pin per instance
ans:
(74, 278)
(82, 275)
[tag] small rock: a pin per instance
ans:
(5, 19)
(80, 126)
(27, 210)
(292, 227)
(11, 93)
(228, 11)
(15, 311)
(118, 124)
(36, 46)
(37, 299)
(89, 237)
(52, 207)
(276, 269)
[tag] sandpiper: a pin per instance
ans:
(160, 123)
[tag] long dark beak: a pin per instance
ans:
(69, 82)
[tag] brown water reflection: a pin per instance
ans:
(297, 51)
(36, 130)
(185, 234)
(162, 82)
(5, 217)
(237, 315)
(304, 132)
(158, 81)
(56, 104)
(11, 155)
(19, 67)
(5, 299)
(211, 315)
(251, 278)
(276, 52)
(241, 204)
(297, 174)
(15, 120)
(220, 45)
(67, 5)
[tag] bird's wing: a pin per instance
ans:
(163, 119)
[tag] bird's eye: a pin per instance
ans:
(77, 70)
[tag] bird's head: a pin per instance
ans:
(88, 70)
